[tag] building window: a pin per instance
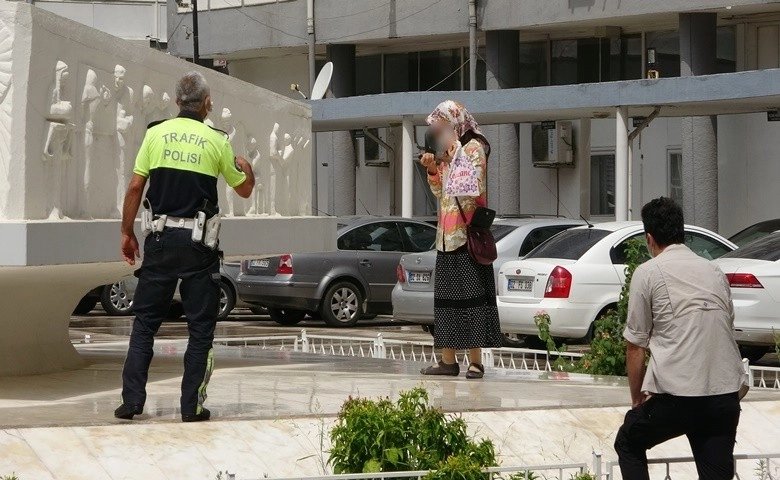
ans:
(593, 60)
(563, 62)
(439, 70)
(726, 61)
(602, 184)
(368, 75)
(533, 64)
(626, 58)
(667, 52)
(675, 176)
(401, 72)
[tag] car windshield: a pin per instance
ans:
(501, 230)
(767, 248)
(755, 232)
(569, 245)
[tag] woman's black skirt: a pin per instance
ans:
(465, 312)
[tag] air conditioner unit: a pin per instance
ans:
(552, 144)
(370, 152)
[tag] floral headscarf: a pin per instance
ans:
(461, 120)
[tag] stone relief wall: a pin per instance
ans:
(89, 99)
(6, 62)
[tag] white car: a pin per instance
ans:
(754, 274)
(577, 276)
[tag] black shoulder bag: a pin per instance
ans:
(479, 239)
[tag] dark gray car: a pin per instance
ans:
(341, 286)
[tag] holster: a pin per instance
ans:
(207, 225)
(150, 223)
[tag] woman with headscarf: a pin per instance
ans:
(465, 313)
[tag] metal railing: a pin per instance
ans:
(764, 473)
(423, 351)
(498, 472)
(765, 377)
(597, 469)
(269, 342)
(404, 350)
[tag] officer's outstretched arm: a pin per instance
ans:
(244, 190)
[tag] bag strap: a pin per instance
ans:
(462, 215)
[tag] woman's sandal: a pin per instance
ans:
(479, 373)
(441, 368)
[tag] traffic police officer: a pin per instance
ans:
(182, 159)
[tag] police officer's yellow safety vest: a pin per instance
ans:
(182, 158)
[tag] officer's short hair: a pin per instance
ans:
(191, 90)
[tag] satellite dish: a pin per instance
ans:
(322, 82)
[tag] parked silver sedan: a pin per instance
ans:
(515, 237)
(340, 286)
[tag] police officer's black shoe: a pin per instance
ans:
(127, 411)
(204, 415)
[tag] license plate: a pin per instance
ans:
(521, 284)
(262, 263)
(419, 277)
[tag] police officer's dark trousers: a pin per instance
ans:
(168, 257)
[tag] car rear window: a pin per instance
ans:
(569, 245)
(501, 230)
(767, 248)
(755, 232)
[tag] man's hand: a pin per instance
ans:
(645, 397)
(130, 250)
(244, 190)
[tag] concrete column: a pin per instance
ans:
(621, 164)
(342, 152)
(503, 71)
(699, 134)
(407, 167)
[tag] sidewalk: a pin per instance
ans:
(271, 408)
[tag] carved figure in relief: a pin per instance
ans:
(99, 151)
(123, 97)
(6, 86)
(235, 205)
(57, 147)
(258, 203)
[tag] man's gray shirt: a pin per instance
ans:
(680, 308)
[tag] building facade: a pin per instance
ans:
(723, 169)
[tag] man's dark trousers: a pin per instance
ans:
(171, 256)
(710, 423)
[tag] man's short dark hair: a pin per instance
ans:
(663, 219)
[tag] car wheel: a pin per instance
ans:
(227, 300)
(115, 300)
(511, 342)
(175, 311)
(286, 316)
(85, 306)
(753, 353)
(342, 305)
(258, 310)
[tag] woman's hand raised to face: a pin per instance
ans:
(449, 154)
(428, 160)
